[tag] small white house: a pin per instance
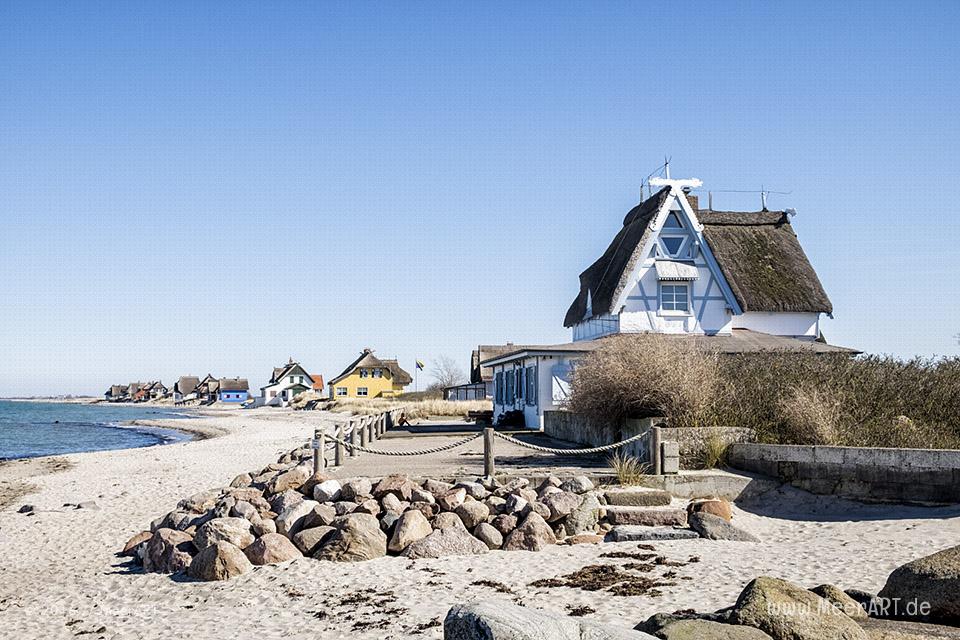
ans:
(285, 384)
(736, 281)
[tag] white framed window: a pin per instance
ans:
(378, 373)
(672, 222)
(675, 298)
(361, 391)
(341, 391)
(364, 373)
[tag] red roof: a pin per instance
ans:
(317, 381)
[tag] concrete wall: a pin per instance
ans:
(921, 476)
(573, 427)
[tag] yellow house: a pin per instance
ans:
(370, 377)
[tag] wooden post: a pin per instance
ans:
(338, 451)
(382, 423)
(655, 459)
(353, 438)
(371, 432)
(488, 452)
(363, 432)
(319, 444)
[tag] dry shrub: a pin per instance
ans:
(418, 409)
(810, 416)
(713, 454)
(647, 375)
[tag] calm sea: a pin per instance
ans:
(30, 429)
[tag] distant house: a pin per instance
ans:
(207, 389)
(116, 393)
(234, 390)
(370, 377)
(285, 384)
(157, 390)
(480, 386)
(185, 388)
(318, 385)
(731, 281)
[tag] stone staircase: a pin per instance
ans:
(639, 513)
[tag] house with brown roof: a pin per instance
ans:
(370, 377)
(185, 388)
(286, 382)
(233, 390)
(733, 281)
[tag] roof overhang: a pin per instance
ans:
(572, 349)
(673, 270)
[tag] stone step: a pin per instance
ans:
(631, 533)
(647, 516)
(637, 497)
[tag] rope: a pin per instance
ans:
(580, 452)
(421, 452)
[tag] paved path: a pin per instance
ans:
(467, 460)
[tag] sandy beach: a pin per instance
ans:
(60, 577)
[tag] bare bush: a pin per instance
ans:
(414, 409)
(647, 375)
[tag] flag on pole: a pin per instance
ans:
(420, 365)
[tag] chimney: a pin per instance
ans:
(692, 199)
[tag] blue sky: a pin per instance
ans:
(200, 187)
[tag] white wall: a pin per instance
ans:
(546, 367)
(780, 324)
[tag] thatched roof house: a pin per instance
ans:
(370, 376)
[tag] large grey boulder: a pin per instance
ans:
(452, 541)
(290, 480)
(271, 549)
(200, 502)
(219, 561)
(647, 516)
(716, 528)
(168, 551)
(356, 489)
(410, 527)
(294, 518)
(399, 485)
(905, 630)
(839, 599)
(446, 520)
(708, 630)
(786, 611)
(283, 501)
(236, 531)
(472, 513)
(533, 534)
(560, 504)
(357, 537)
(488, 535)
(934, 579)
(321, 516)
(500, 620)
(452, 499)
(308, 541)
(579, 484)
(585, 517)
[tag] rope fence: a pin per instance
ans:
(369, 428)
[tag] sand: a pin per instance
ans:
(60, 578)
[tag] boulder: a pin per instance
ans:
(428, 509)
(236, 531)
(452, 499)
(224, 507)
(315, 478)
(436, 487)
(904, 630)
(551, 481)
(474, 489)
(289, 480)
(130, 546)
(411, 526)
(343, 507)
(500, 620)
(391, 502)
(357, 537)
(271, 549)
(389, 520)
(245, 510)
(472, 513)
(327, 491)
(516, 506)
(510, 486)
(397, 485)
(584, 518)
(560, 504)
(452, 541)
(242, 480)
(263, 526)
(716, 507)
(488, 535)
(355, 489)
(844, 603)
(495, 504)
(422, 495)
(200, 502)
(647, 516)
(716, 528)
(245, 494)
(934, 579)
(785, 611)
(283, 501)
(370, 506)
(578, 485)
(504, 523)
(294, 518)
(533, 534)
(446, 520)
(708, 630)
(220, 561)
(584, 538)
(168, 551)
(321, 516)
(308, 541)
(546, 491)
(636, 497)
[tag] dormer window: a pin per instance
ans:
(364, 373)
(672, 222)
(672, 245)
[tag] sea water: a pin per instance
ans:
(30, 429)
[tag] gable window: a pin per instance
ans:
(361, 391)
(341, 391)
(675, 297)
(378, 373)
(364, 373)
(292, 379)
(672, 222)
(672, 245)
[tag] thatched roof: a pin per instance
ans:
(369, 361)
(758, 253)
(186, 384)
(763, 262)
(291, 368)
(234, 384)
(604, 279)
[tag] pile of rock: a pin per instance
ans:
(285, 511)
